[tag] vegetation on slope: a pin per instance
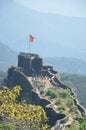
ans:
(79, 124)
(21, 114)
(61, 98)
(78, 82)
(14, 112)
(62, 101)
(7, 126)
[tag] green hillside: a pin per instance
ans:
(78, 82)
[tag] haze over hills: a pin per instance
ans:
(56, 35)
(7, 57)
(69, 65)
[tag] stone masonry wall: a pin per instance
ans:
(17, 77)
(31, 64)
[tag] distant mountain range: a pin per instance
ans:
(69, 65)
(56, 35)
(8, 57)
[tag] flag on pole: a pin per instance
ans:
(31, 38)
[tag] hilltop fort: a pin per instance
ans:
(31, 70)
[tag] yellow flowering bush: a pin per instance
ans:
(31, 115)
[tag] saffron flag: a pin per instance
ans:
(31, 38)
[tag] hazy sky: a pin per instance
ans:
(64, 7)
(69, 34)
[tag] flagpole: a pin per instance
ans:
(31, 38)
(29, 46)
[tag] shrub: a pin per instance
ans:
(41, 91)
(70, 102)
(8, 126)
(52, 93)
(74, 126)
(58, 101)
(62, 107)
(73, 108)
(65, 93)
(82, 122)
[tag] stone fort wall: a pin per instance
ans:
(17, 77)
(30, 65)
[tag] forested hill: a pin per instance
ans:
(7, 57)
(78, 82)
(69, 65)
